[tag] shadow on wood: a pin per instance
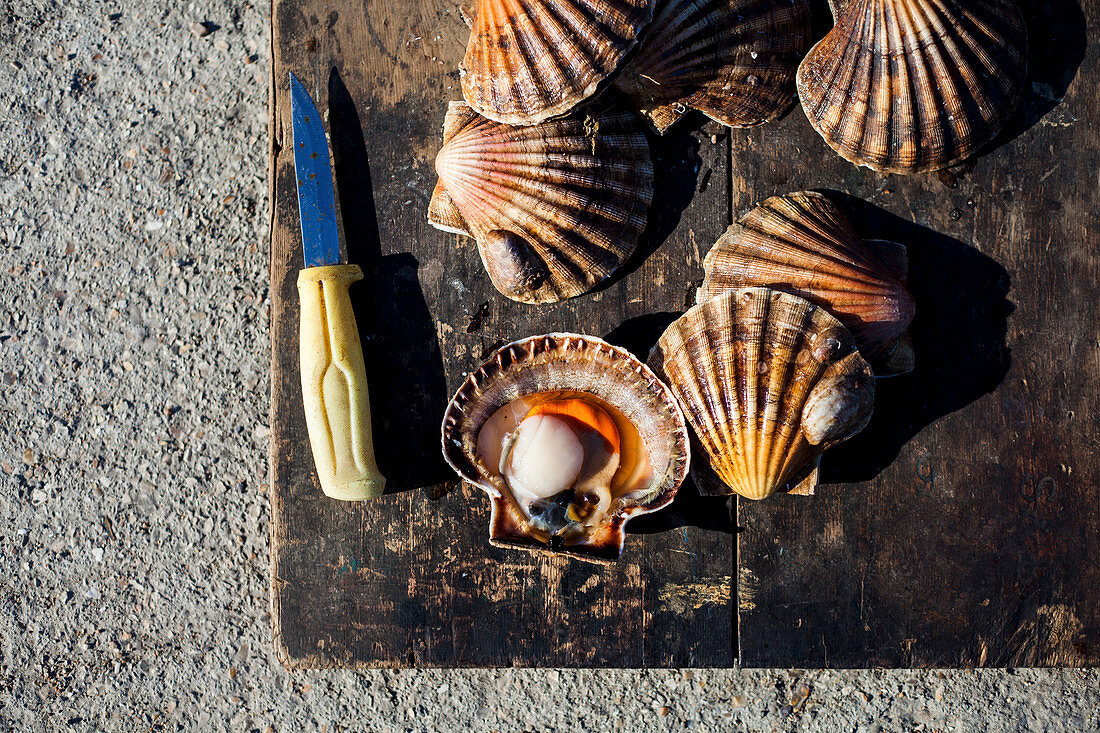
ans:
(676, 176)
(689, 509)
(958, 336)
(638, 335)
(404, 363)
(1056, 43)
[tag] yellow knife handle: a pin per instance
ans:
(334, 385)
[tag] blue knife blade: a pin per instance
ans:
(316, 200)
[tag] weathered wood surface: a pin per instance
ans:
(410, 579)
(961, 529)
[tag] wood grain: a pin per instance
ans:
(410, 579)
(960, 529)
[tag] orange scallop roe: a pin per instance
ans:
(582, 414)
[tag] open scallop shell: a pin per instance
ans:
(906, 86)
(530, 60)
(556, 208)
(578, 365)
(802, 244)
(733, 60)
(767, 381)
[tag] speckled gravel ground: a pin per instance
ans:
(133, 402)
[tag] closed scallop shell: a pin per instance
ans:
(580, 364)
(555, 208)
(531, 60)
(803, 244)
(733, 60)
(836, 7)
(906, 86)
(767, 381)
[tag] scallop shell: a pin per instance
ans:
(906, 86)
(733, 60)
(531, 60)
(575, 363)
(555, 208)
(767, 381)
(802, 244)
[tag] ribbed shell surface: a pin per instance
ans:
(733, 60)
(530, 60)
(767, 381)
(574, 362)
(906, 86)
(801, 243)
(555, 207)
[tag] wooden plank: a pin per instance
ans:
(409, 579)
(960, 529)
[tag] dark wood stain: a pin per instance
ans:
(410, 579)
(960, 529)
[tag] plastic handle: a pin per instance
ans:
(334, 385)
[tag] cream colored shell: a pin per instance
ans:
(767, 381)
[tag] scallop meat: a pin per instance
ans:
(570, 437)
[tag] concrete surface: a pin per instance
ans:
(133, 446)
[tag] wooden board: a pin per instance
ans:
(961, 529)
(410, 579)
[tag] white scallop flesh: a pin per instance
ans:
(545, 457)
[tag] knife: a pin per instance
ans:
(334, 378)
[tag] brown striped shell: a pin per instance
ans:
(767, 381)
(578, 364)
(555, 208)
(733, 60)
(802, 244)
(531, 60)
(906, 86)
(836, 7)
